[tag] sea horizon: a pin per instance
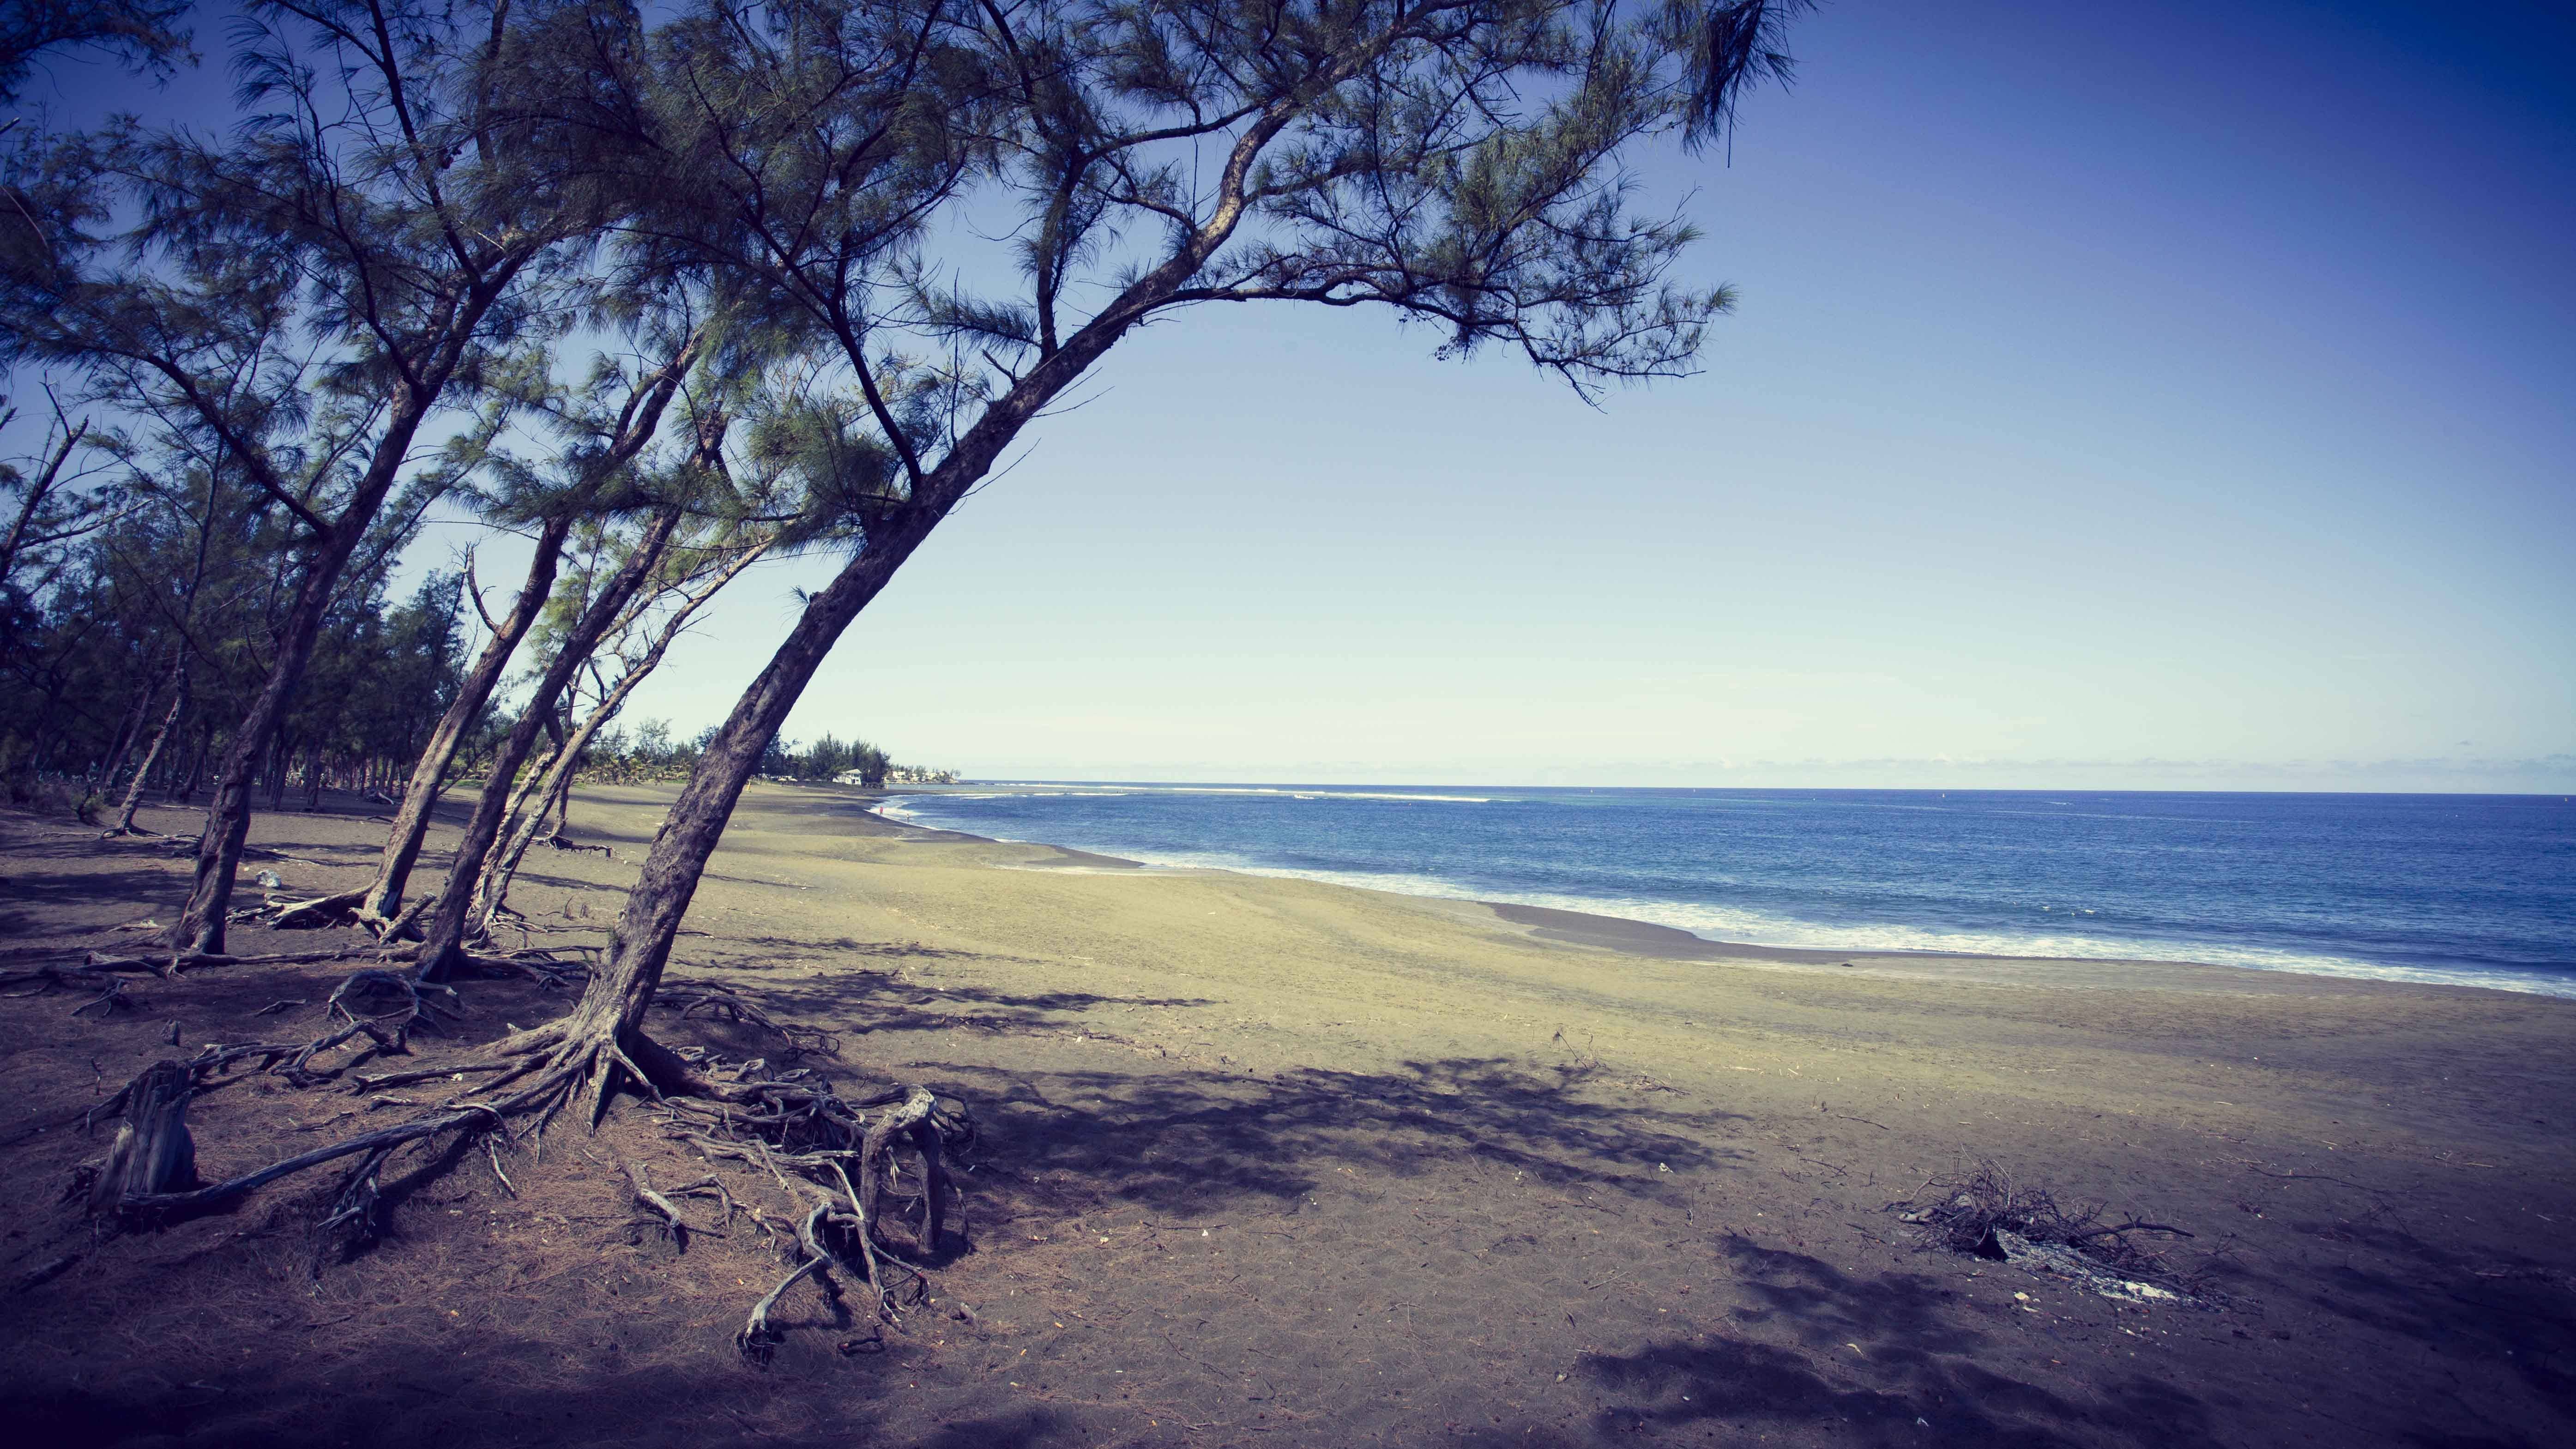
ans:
(1291, 785)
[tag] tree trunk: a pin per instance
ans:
(443, 932)
(127, 734)
(200, 930)
(610, 1013)
(411, 822)
(493, 890)
(169, 722)
(188, 783)
(556, 786)
(516, 832)
(612, 1008)
(274, 778)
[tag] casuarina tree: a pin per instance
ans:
(1461, 163)
(838, 167)
(310, 292)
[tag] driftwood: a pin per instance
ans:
(331, 910)
(1988, 1211)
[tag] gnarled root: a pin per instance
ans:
(757, 1339)
(404, 925)
(111, 997)
(714, 1002)
(390, 1031)
(667, 1213)
(834, 1154)
(92, 962)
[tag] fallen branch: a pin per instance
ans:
(1992, 1215)
(2131, 1226)
(331, 910)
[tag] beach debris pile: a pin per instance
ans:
(1991, 1214)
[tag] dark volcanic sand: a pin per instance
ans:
(1269, 1162)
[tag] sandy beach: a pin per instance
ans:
(1276, 1162)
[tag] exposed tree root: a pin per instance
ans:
(712, 1002)
(107, 1002)
(757, 1339)
(836, 1158)
(404, 925)
(185, 961)
(44, 1272)
(390, 1031)
(667, 1212)
(111, 997)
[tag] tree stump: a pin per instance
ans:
(153, 1151)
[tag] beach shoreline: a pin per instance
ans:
(1649, 938)
(1383, 1168)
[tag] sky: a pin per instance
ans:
(2157, 396)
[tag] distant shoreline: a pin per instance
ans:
(1648, 939)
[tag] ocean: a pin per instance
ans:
(2475, 890)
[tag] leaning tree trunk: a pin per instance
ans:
(197, 757)
(127, 734)
(152, 752)
(443, 932)
(609, 1017)
(200, 930)
(38, 489)
(555, 789)
(383, 899)
(607, 1023)
(492, 892)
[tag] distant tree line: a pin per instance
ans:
(650, 752)
(136, 627)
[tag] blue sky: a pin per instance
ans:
(2154, 395)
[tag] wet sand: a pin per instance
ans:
(1270, 1161)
